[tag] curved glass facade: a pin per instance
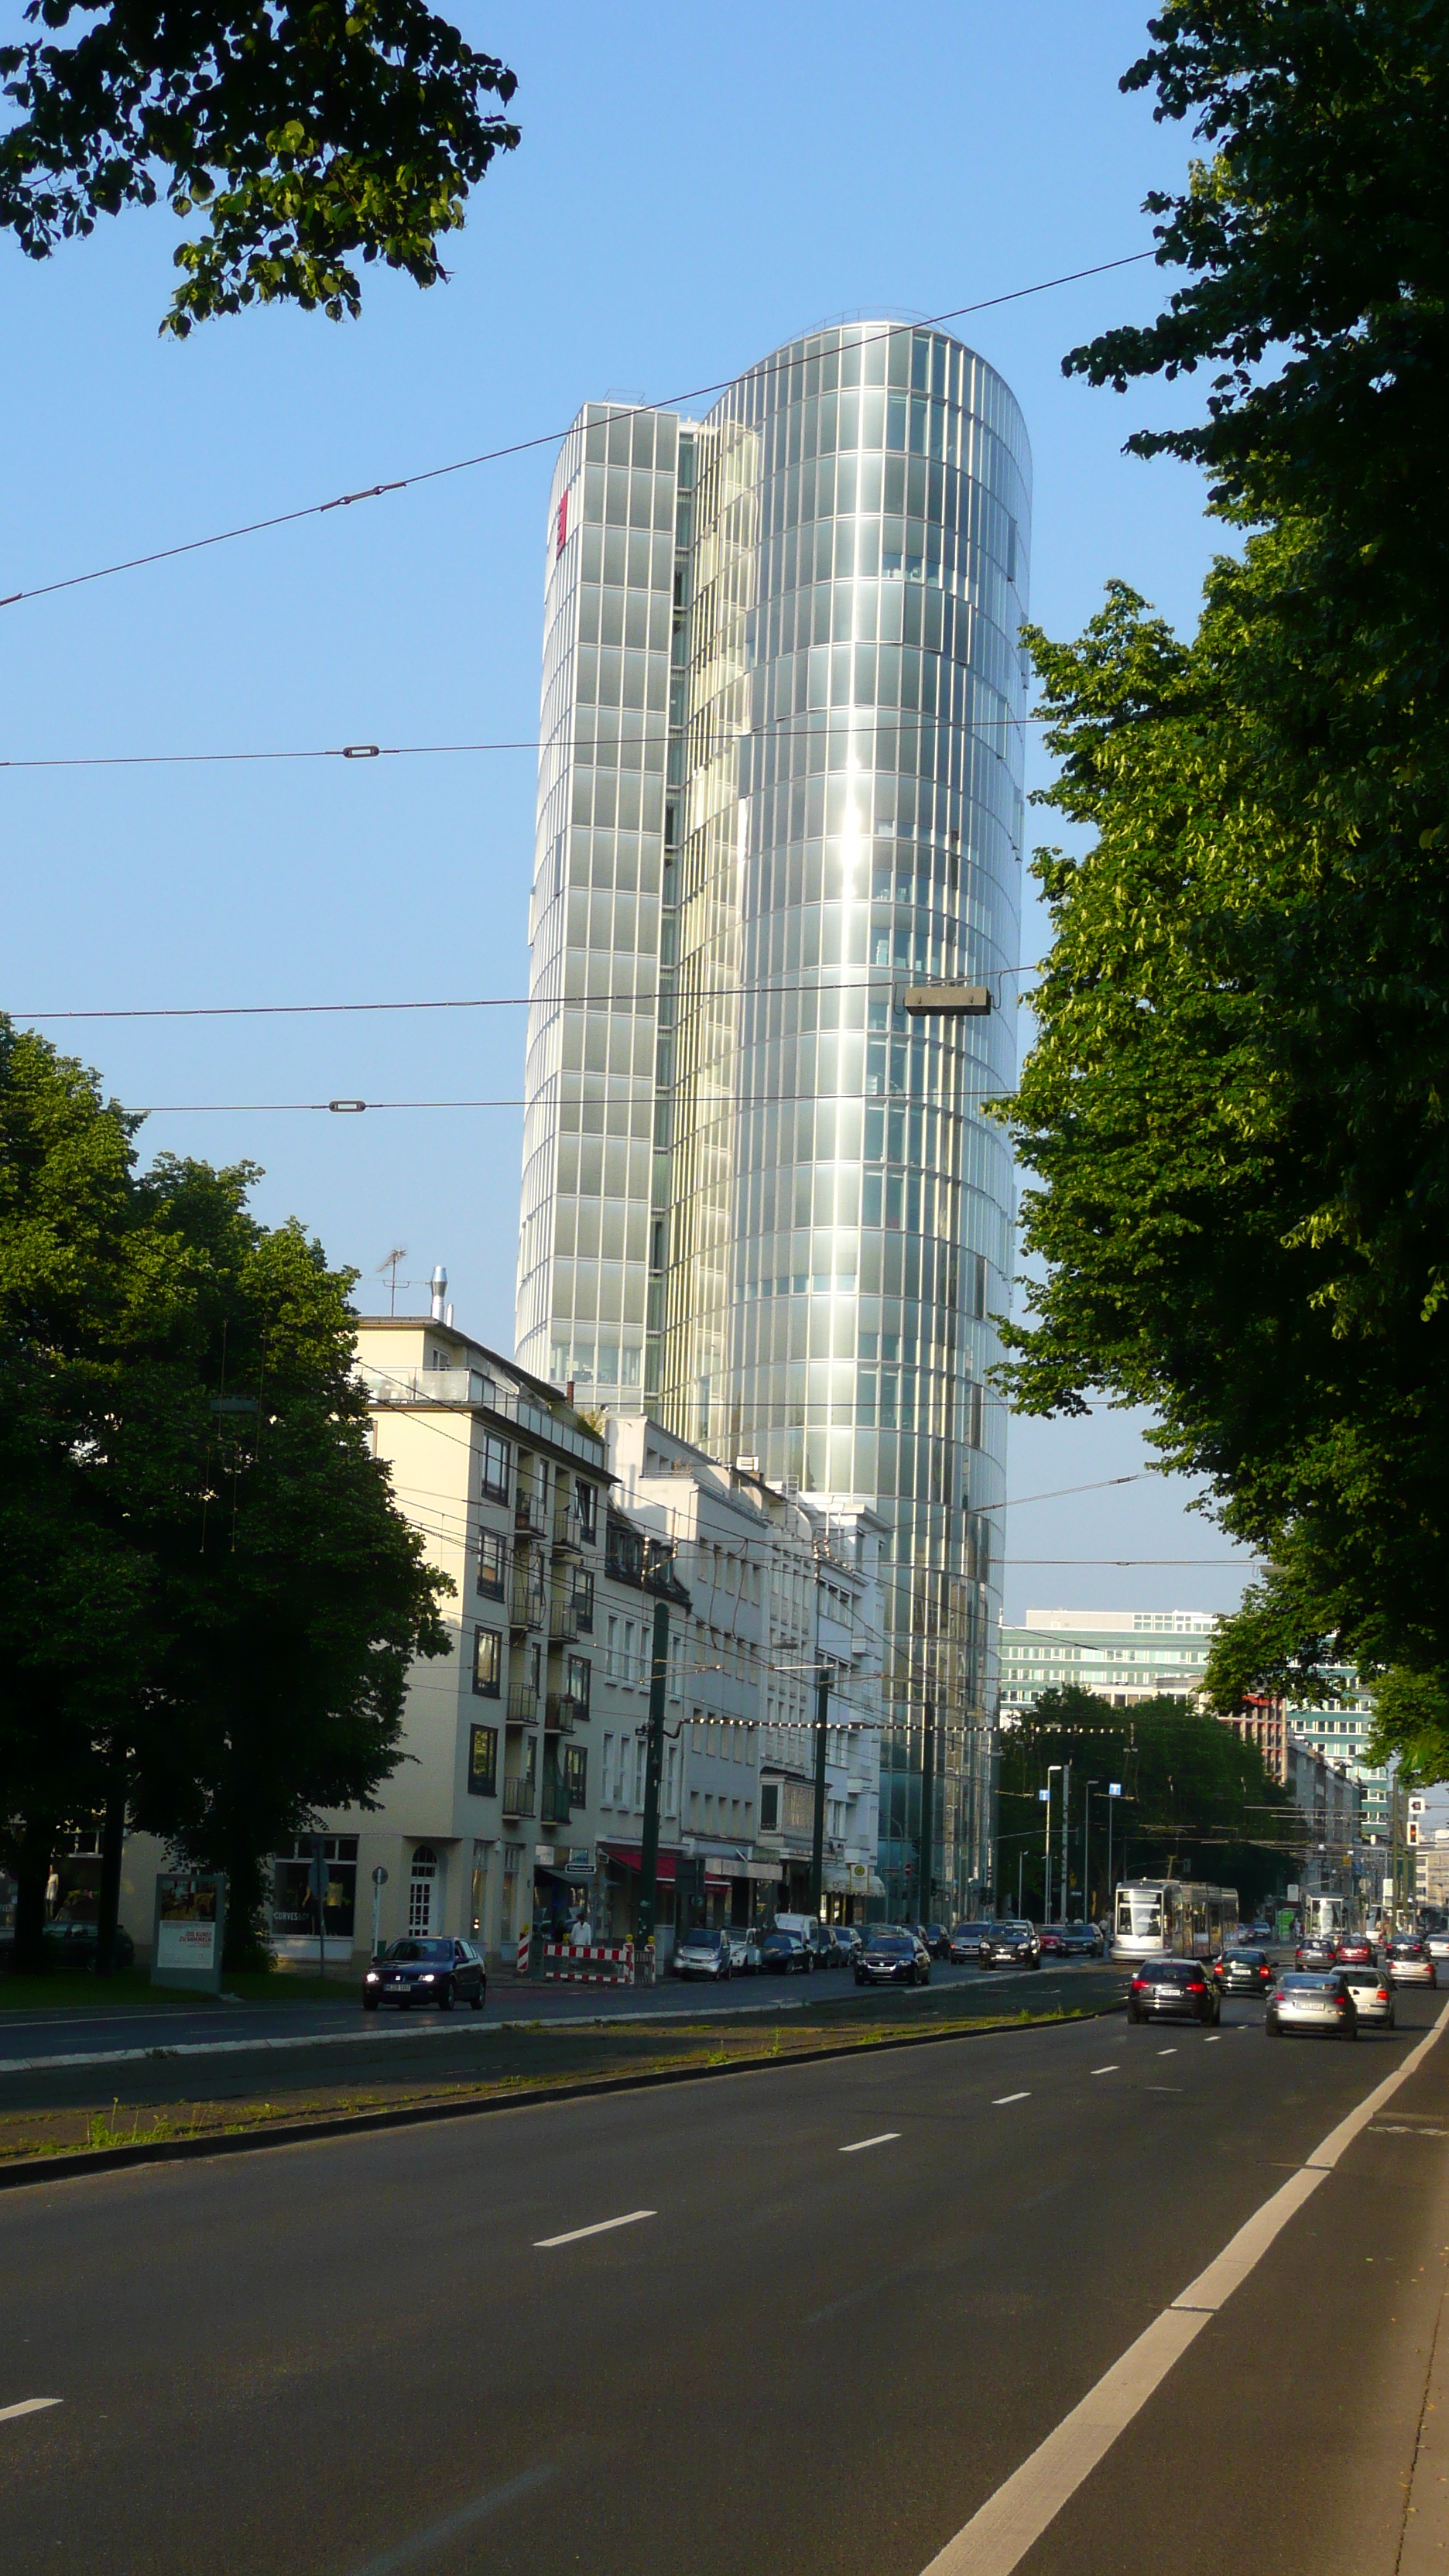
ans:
(829, 1215)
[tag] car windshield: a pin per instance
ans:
(411, 1952)
(1309, 1985)
(1360, 1976)
(971, 1931)
(701, 1940)
(1245, 1958)
(1171, 1969)
(1009, 1932)
(783, 1941)
(889, 1945)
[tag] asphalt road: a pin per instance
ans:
(852, 2297)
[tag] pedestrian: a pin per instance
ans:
(583, 1932)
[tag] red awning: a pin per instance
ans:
(631, 1856)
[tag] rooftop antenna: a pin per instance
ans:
(390, 1262)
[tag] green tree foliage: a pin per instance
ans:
(302, 134)
(1234, 1110)
(1197, 1801)
(205, 1587)
(1411, 1724)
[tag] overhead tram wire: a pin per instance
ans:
(859, 719)
(546, 438)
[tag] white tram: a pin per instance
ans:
(1179, 1918)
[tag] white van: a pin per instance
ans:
(819, 1947)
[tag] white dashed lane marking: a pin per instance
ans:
(28, 2406)
(600, 2227)
(858, 2146)
(1113, 2069)
(1009, 2097)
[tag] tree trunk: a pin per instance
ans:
(32, 1876)
(246, 1944)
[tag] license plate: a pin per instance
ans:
(1170, 1994)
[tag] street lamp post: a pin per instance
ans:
(1066, 1829)
(1086, 1844)
(1045, 1796)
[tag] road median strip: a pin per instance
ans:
(110, 2142)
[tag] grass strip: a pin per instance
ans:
(45, 2145)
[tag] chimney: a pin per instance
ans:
(440, 1291)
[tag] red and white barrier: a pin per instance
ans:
(597, 1963)
(525, 1943)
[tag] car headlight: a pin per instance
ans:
(371, 1977)
(427, 1978)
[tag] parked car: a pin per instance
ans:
(1356, 1950)
(819, 1948)
(745, 1953)
(418, 1971)
(1011, 1945)
(893, 1958)
(936, 1937)
(1373, 1996)
(74, 1942)
(1243, 1972)
(846, 1938)
(1312, 2002)
(1053, 1941)
(1316, 1952)
(703, 1954)
(1172, 1987)
(966, 1941)
(783, 1954)
(1409, 1963)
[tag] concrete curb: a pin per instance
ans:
(291, 2133)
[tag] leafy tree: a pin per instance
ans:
(1411, 1725)
(206, 1612)
(302, 133)
(1197, 1800)
(1234, 1108)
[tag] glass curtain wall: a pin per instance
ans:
(806, 1223)
(594, 924)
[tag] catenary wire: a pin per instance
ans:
(546, 438)
(493, 1001)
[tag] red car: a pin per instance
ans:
(1355, 1950)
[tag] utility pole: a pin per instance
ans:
(653, 1769)
(928, 1795)
(817, 1848)
(1045, 1796)
(1066, 1828)
(1086, 1845)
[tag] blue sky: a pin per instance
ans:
(692, 188)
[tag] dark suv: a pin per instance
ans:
(421, 1971)
(1010, 1945)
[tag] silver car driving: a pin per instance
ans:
(1300, 2001)
(1373, 1996)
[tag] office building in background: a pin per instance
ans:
(781, 786)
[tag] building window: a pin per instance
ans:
(577, 1682)
(584, 1603)
(576, 1774)
(492, 1565)
(482, 1761)
(421, 1885)
(608, 1762)
(588, 1503)
(639, 1750)
(769, 1806)
(487, 1663)
(611, 1651)
(495, 1468)
(294, 1906)
(630, 1674)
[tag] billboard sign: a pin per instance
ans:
(190, 1930)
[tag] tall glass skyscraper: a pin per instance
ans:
(781, 782)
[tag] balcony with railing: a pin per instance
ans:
(527, 1600)
(522, 1703)
(564, 1712)
(563, 1621)
(556, 1808)
(530, 1512)
(471, 1386)
(519, 1797)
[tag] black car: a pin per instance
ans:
(893, 1959)
(1010, 1945)
(72, 1941)
(1172, 1986)
(783, 1954)
(419, 1971)
(1243, 1972)
(936, 1937)
(1317, 1951)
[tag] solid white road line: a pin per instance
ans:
(601, 2227)
(28, 2406)
(1009, 2097)
(858, 2145)
(998, 2536)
